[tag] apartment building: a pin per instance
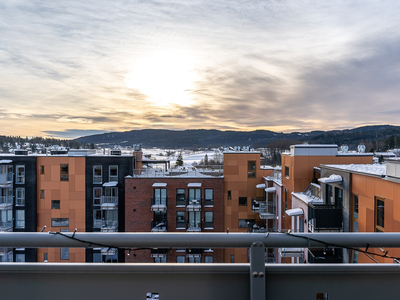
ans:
(175, 201)
(244, 188)
(17, 201)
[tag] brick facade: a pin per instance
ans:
(138, 214)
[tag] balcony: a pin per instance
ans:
(5, 250)
(109, 202)
(109, 225)
(193, 227)
(193, 205)
(255, 204)
(6, 179)
(267, 210)
(159, 204)
(324, 218)
(159, 226)
(6, 225)
(325, 256)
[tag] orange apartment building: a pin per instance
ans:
(301, 165)
(61, 203)
(242, 174)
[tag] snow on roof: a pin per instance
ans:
(194, 184)
(270, 190)
(5, 161)
(331, 179)
(260, 186)
(295, 212)
(159, 184)
(111, 183)
(375, 169)
(307, 199)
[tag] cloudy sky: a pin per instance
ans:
(73, 68)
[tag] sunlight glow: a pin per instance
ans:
(166, 78)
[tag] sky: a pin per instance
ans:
(75, 68)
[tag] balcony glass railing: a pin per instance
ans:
(6, 200)
(267, 210)
(159, 226)
(324, 217)
(109, 200)
(193, 227)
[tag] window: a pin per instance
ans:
(110, 195)
(242, 201)
(20, 196)
(232, 258)
(194, 219)
(20, 219)
(97, 174)
(55, 204)
(229, 195)
(41, 194)
(106, 219)
(180, 220)
(20, 257)
(20, 174)
(287, 172)
(329, 196)
(180, 259)
(113, 173)
(6, 172)
(64, 251)
(97, 196)
(180, 197)
(251, 169)
(355, 213)
(6, 218)
(160, 197)
(208, 259)
(45, 257)
(338, 197)
(379, 214)
(41, 169)
(60, 222)
(208, 197)
(64, 172)
(209, 219)
(160, 259)
(194, 195)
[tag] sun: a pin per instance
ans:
(165, 78)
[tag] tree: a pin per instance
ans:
(179, 160)
(206, 159)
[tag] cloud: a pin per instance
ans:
(71, 133)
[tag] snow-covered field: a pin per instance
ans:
(189, 157)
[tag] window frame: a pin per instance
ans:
(97, 188)
(54, 204)
(20, 222)
(287, 172)
(183, 223)
(378, 227)
(241, 201)
(208, 225)
(209, 201)
(54, 220)
(96, 177)
(19, 201)
(19, 178)
(180, 201)
(251, 169)
(64, 172)
(112, 177)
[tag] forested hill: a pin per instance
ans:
(380, 137)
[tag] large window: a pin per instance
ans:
(97, 196)
(379, 214)
(251, 169)
(194, 219)
(97, 174)
(209, 197)
(20, 219)
(20, 174)
(195, 195)
(242, 201)
(60, 222)
(6, 173)
(113, 173)
(20, 196)
(209, 220)
(180, 259)
(180, 220)
(64, 172)
(208, 259)
(180, 197)
(160, 196)
(106, 219)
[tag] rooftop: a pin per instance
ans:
(372, 169)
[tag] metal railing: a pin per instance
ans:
(109, 200)
(189, 172)
(267, 210)
(324, 217)
(6, 200)
(229, 281)
(313, 190)
(157, 226)
(6, 179)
